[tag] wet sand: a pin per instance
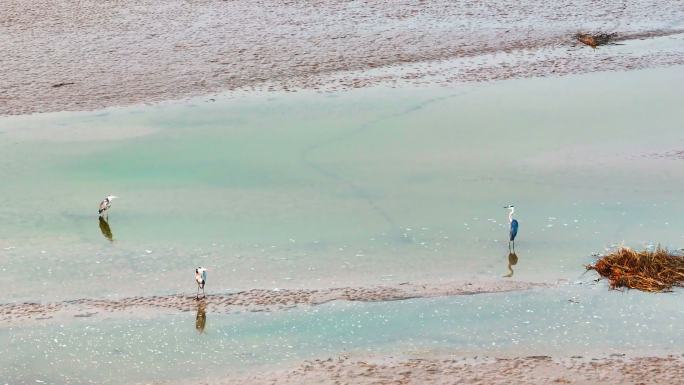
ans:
(250, 300)
(92, 54)
(522, 370)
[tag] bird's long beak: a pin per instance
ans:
(114, 196)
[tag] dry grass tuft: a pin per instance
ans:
(595, 39)
(652, 271)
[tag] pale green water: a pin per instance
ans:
(320, 190)
(317, 190)
(511, 324)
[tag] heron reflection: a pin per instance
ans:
(512, 261)
(105, 229)
(201, 317)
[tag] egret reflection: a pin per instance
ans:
(105, 229)
(512, 261)
(201, 317)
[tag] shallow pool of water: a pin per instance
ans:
(364, 187)
(565, 321)
(358, 187)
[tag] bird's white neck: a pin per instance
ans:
(510, 214)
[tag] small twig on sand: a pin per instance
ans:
(62, 84)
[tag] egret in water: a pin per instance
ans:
(514, 227)
(105, 205)
(201, 279)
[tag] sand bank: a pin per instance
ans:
(93, 54)
(250, 300)
(522, 370)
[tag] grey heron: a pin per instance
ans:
(514, 227)
(105, 205)
(201, 279)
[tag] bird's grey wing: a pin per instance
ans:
(103, 206)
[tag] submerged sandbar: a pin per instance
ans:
(251, 300)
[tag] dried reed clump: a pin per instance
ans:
(595, 39)
(654, 271)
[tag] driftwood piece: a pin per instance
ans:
(653, 271)
(596, 39)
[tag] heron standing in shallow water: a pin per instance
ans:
(514, 227)
(201, 279)
(105, 205)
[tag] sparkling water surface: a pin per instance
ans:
(565, 321)
(364, 187)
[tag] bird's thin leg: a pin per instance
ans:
(203, 295)
(197, 296)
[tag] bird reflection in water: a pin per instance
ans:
(105, 229)
(512, 261)
(201, 317)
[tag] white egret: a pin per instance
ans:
(105, 205)
(201, 279)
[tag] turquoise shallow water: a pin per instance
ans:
(360, 187)
(365, 187)
(120, 351)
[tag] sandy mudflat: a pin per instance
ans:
(67, 55)
(524, 370)
(250, 300)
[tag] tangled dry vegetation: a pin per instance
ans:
(596, 39)
(653, 271)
